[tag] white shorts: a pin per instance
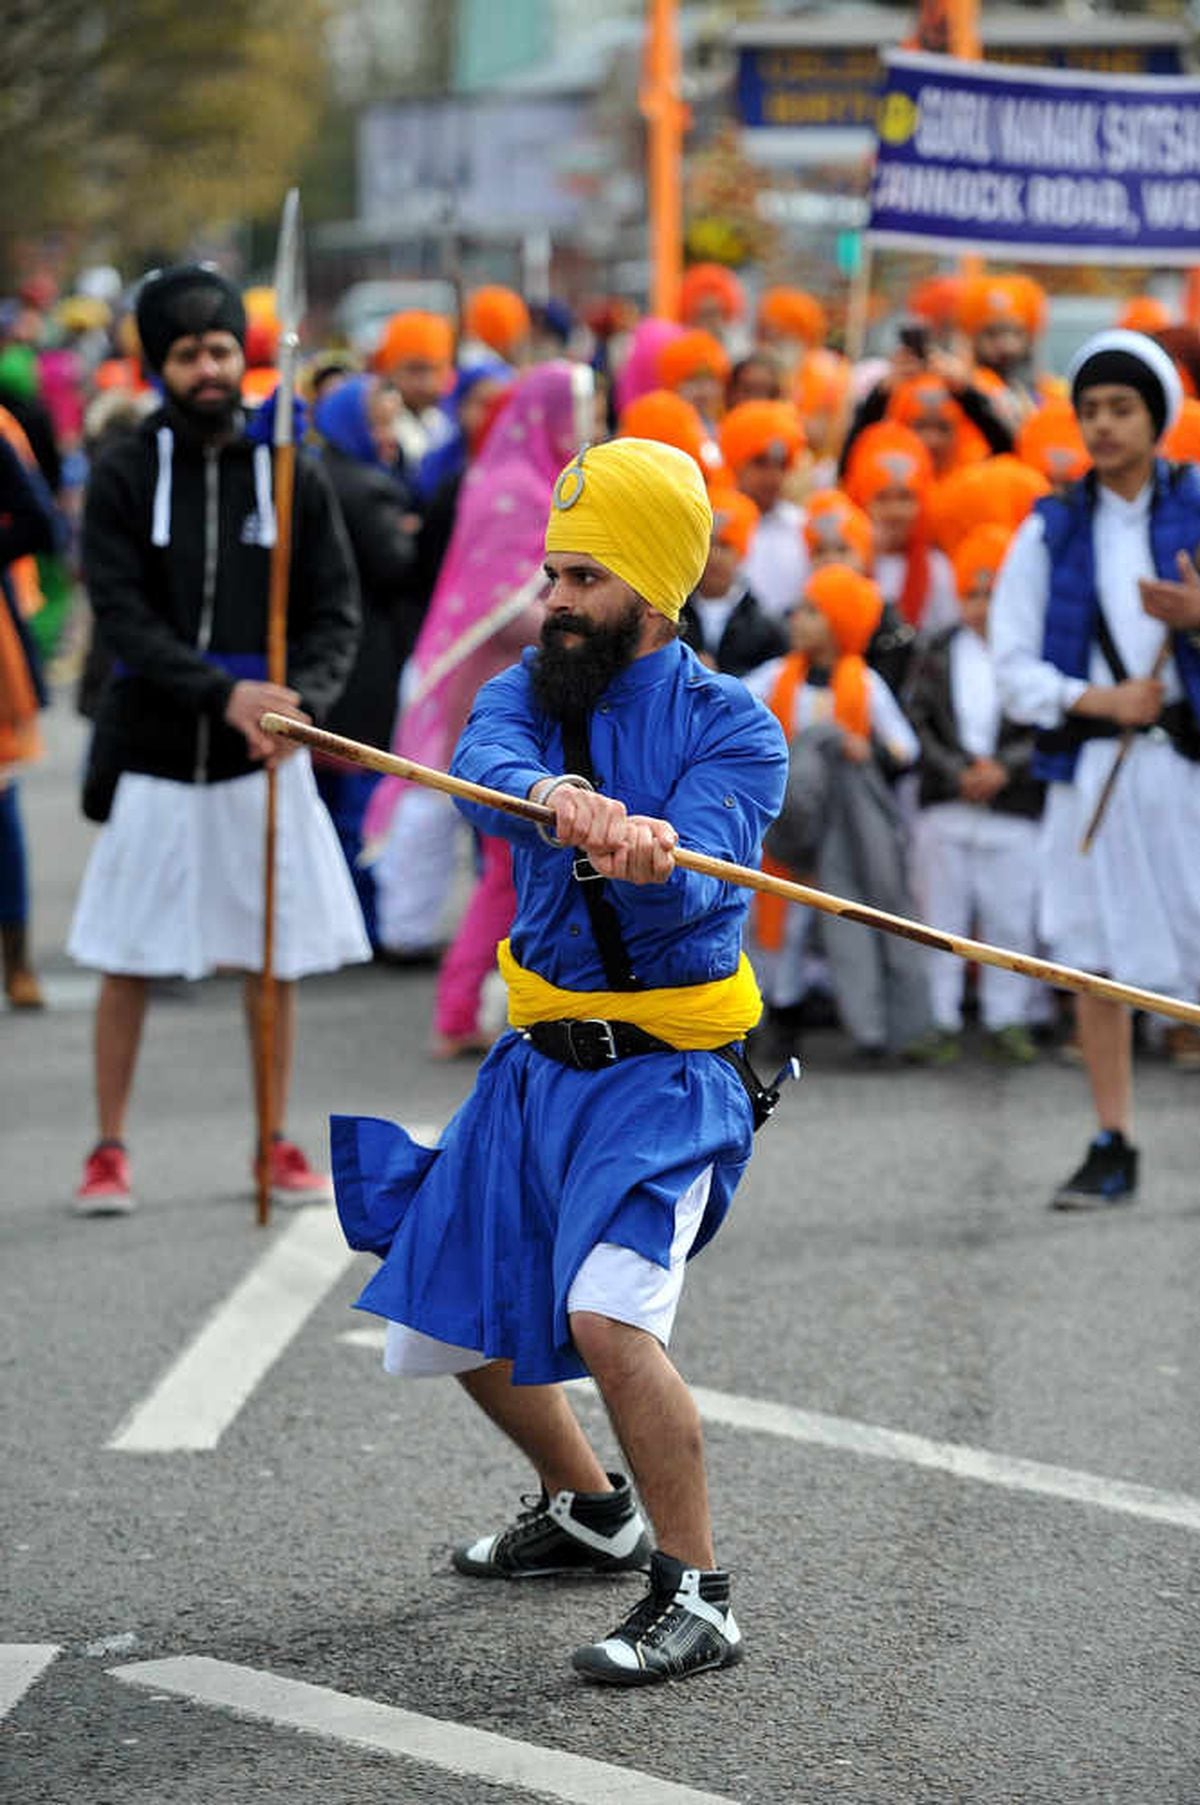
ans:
(613, 1281)
(174, 884)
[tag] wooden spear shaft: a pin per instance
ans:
(268, 995)
(1064, 977)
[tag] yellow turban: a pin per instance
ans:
(639, 508)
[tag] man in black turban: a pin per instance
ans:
(192, 325)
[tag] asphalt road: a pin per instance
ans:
(998, 1601)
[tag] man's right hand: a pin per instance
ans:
(248, 702)
(1137, 702)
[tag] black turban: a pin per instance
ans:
(1134, 361)
(188, 299)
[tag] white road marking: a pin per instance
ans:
(962, 1462)
(202, 1392)
(435, 1742)
(1009, 1471)
(20, 1665)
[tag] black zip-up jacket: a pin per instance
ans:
(186, 619)
(929, 704)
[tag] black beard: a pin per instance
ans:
(571, 679)
(209, 419)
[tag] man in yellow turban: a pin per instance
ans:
(546, 1236)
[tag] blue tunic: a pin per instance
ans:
(482, 1236)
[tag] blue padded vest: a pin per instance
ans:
(1073, 605)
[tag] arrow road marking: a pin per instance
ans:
(761, 1417)
(20, 1665)
(454, 1748)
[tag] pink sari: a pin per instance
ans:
(496, 549)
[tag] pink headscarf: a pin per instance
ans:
(497, 546)
(639, 372)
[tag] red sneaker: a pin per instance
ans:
(293, 1179)
(105, 1190)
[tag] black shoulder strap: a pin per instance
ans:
(606, 928)
(1109, 649)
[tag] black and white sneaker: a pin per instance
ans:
(1108, 1175)
(683, 1626)
(574, 1532)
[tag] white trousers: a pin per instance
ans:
(1129, 908)
(972, 870)
(415, 870)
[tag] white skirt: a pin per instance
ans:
(1130, 908)
(174, 884)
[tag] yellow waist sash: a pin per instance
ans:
(690, 1016)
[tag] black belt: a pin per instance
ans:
(1176, 723)
(591, 1044)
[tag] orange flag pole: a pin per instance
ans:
(666, 118)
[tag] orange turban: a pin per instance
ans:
(937, 299)
(851, 603)
(499, 317)
(833, 524)
(694, 353)
(667, 417)
(1183, 441)
(927, 395)
(791, 313)
(1050, 441)
(735, 518)
(980, 555)
(710, 282)
(822, 382)
(887, 456)
(999, 492)
(423, 337)
(755, 427)
(1144, 313)
(988, 300)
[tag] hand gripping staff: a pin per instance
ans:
(289, 306)
(1065, 977)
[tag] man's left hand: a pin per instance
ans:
(646, 854)
(1177, 605)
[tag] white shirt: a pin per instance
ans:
(974, 694)
(777, 566)
(1031, 688)
(941, 603)
(713, 612)
(814, 703)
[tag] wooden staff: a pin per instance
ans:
(1064, 977)
(289, 305)
(1126, 741)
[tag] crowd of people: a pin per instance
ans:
(696, 583)
(864, 518)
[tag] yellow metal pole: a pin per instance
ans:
(664, 113)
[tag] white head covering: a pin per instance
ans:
(1148, 353)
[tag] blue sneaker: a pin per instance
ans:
(1108, 1175)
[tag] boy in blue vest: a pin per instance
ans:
(1099, 579)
